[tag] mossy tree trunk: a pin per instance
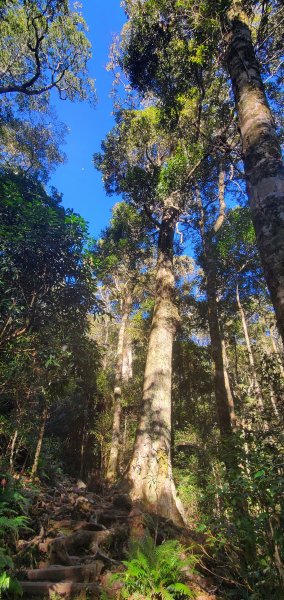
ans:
(263, 163)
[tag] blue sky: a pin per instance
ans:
(78, 180)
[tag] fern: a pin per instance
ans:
(9, 584)
(5, 560)
(154, 572)
(12, 524)
(11, 503)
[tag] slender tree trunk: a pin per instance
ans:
(12, 451)
(150, 471)
(227, 383)
(256, 386)
(39, 443)
(273, 402)
(112, 467)
(223, 394)
(82, 452)
(263, 163)
(277, 552)
(275, 350)
(125, 433)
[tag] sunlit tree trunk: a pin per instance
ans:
(227, 383)
(112, 468)
(275, 350)
(12, 450)
(263, 163)
(150, 471)
(256, 386)
(127, 372)
(273, 402)
(39, 442)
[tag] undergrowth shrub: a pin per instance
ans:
(12, 504)
(156, 572)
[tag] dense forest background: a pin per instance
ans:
(148, 361)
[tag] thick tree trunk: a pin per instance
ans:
(127, 372)
(263, 163)
(112, 468)
(150, 471)
(39, 443)
(256, 386)
(223, 394)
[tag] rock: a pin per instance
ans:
(81, 485)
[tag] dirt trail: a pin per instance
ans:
(82, 538)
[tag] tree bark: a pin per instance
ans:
(82, 451)
(112, 467)
(223, 394)
(12, 451)
(150, 472)
(127, 372)
(256, 386)
(275, 350)
(263, 163)
(39, 443)
(227, 383)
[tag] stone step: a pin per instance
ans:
(66, 589)
(79, 573)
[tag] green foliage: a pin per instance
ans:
(44, 47)
(12, 501)
(246, 530)
(47, 292)
(9, 584)
(237, 237)
(155, 572)
(174, 174)
(30, 144)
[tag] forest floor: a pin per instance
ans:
(79, 539)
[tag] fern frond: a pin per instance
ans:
(182, 589)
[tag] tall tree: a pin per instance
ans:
(208, 232)
(147, 165)
(120, 261)
(165, 47)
